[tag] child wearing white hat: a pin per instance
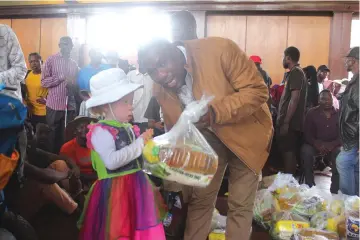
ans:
(122, 204)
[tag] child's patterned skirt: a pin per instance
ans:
(124, 207)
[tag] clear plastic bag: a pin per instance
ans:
(310, 203)
(264, 207)
(321, 220)
(218, 222)
(281, 195)
(314, 234)
(183, 154)
(352, 208)
(285, 224)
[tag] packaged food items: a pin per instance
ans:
(286, 223)
(314, 234)
(320, 220)
(310, 203)
(336, 203)
(284, 229)
(264, 207)
(217, 235)
(182, 154)
(333, 223)
(287, 215)
(341, 229)
(287, 197)
(352, 207)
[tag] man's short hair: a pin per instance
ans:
(66, 39)
(293, 53)
(325, 91)
(36, 55)
(185, 17)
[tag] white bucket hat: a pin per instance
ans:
(109, 86)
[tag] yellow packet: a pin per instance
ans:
(332, 223)
(217, 236)
(290, 226)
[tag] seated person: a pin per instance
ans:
(39, 155)
(75, 148)
(40, 188)
(321, 139)
(43, 173)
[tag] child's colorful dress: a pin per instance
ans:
(122, 203)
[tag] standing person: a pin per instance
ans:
(321, 139)
(122, 203)
(323, 73)
(93, 68)
(291, 111)
(59, 76)
(257, 60)
(237, 125)
(312, 99)
(183, 26)
(12, 62)
(112, 59)
(347, 161)
(36, 94)
(142, 97)
(124, 65)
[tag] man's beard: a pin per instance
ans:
(285, 65)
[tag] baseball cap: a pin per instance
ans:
(353, 52)
(323, 68)
(256, 59)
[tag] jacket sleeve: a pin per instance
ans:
(17, 66)
(250, 90)
(48, 79)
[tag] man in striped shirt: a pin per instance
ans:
(59, 76)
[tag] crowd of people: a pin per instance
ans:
(86, 129)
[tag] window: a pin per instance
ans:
(355, 36)
(126, 32)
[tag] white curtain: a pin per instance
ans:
(76, 28)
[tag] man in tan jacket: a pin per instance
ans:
(238, 124)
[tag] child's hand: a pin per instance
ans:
(147, 135)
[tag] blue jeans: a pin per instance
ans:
(347, 164)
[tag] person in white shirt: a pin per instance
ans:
(323, 73)
(142, 97)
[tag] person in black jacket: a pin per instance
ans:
(313, 87)
(347, 161)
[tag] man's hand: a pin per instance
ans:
(205, 121)
(57, 176)
(320, 147)
(70, 88)
(41, 100)
(284, 129)
(76, 171)
(159, 125)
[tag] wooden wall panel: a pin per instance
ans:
(311, 35)
(266, 36)
(52, 29)
(232, 27)
(28, 33)
(5, 21)
(340, 43)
